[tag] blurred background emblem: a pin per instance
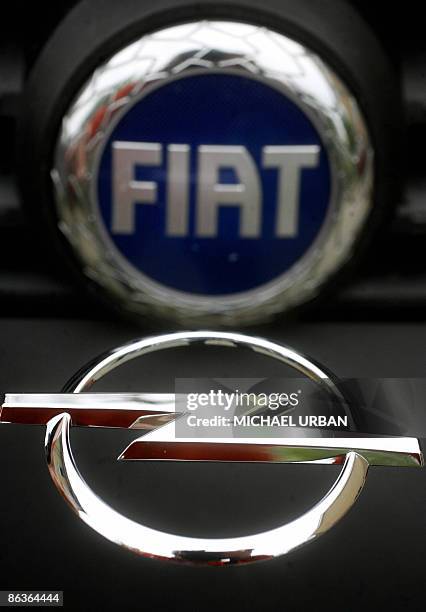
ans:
(213, 172)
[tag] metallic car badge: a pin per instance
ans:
(213, 171)
(156, 413)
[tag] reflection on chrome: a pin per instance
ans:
(157, 544)
(155, 415)
(355, 453)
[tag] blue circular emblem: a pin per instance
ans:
(213, 184)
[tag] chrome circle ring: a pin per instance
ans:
(152, 543)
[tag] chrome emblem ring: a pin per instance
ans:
(126, 268)
(355, 453)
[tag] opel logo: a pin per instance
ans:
(155, 415)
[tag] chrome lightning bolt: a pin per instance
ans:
(154, 413)
(119, 410)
